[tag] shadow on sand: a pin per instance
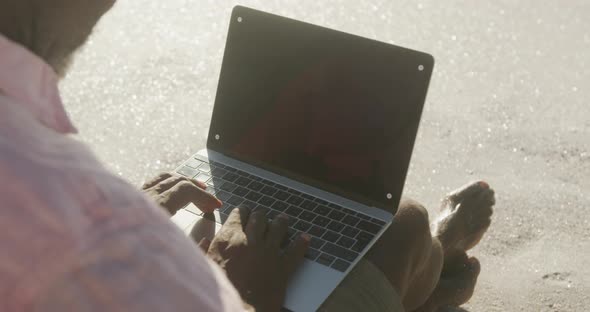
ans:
(453, 309)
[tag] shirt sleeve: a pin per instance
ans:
(147, 269)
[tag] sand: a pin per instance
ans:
(508, 103)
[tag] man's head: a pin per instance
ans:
(52, 29)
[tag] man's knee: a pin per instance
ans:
(413, 216)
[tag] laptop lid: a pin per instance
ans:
(332, 110)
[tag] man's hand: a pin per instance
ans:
(248, 248)
(174, 192)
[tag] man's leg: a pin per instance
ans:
(412, 258)
(408, 255)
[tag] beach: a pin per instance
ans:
(508, 103)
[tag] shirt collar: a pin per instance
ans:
(32, 83)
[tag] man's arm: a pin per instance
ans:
(147, 269)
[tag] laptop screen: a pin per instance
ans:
(329, 109)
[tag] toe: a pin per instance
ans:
(487, 197)
(467, 191)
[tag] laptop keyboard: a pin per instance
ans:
(338, 234)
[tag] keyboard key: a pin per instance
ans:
(350, 232)
(226, 208)
(272, 214)
(216, 164)
(242, 181)
(193, 163)
(292, 191)
(255, 178)
(308, 197)
(345, 242)
(350, 220)
(308, 205)
(202, 177)
(340, 265)
(229, 187)
(242, 173)
(222, 218)
(339, 252)
(215, 181)
(316, 231)
(253, 196)
(331, 236)
(188, 172)
(362, 240)
(336, 226)
(364, 217)
(235, 200)
(267, 182)
(321, 221)
(307, 216)
(281, 187)
(302, 226)
(316, 243)
(240, 191)
(256, 186)
(349, 212)
(311, 254)
(295, 200)
(292, 221)
(223, 196)
(321, 202)
(228, 168)
(249, 205)
(205, 168)
(263, 209)
(369, 227)
(322, 210)
(325, 259)
(360, 246)
(334, 206)
(364, 236)
(231, 177)
(293, 211)
(280, 206)
(218, 172)
(378, 222)
(281, 195)
(336, 215)
(266, 201)
(268, 190)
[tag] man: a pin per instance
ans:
(73, 237)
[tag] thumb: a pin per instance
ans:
(204, 244)
(295, 254)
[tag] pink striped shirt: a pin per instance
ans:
(74, 237)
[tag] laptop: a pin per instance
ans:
(317, 124)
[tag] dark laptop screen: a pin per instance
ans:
(332, 110)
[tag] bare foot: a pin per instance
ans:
(456, 284)
(464, 218)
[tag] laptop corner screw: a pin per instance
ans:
(217, 137)
(420, 67)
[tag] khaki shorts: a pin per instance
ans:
(364, 289)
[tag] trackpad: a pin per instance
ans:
(311, 286)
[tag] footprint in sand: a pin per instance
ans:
(561, 279)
